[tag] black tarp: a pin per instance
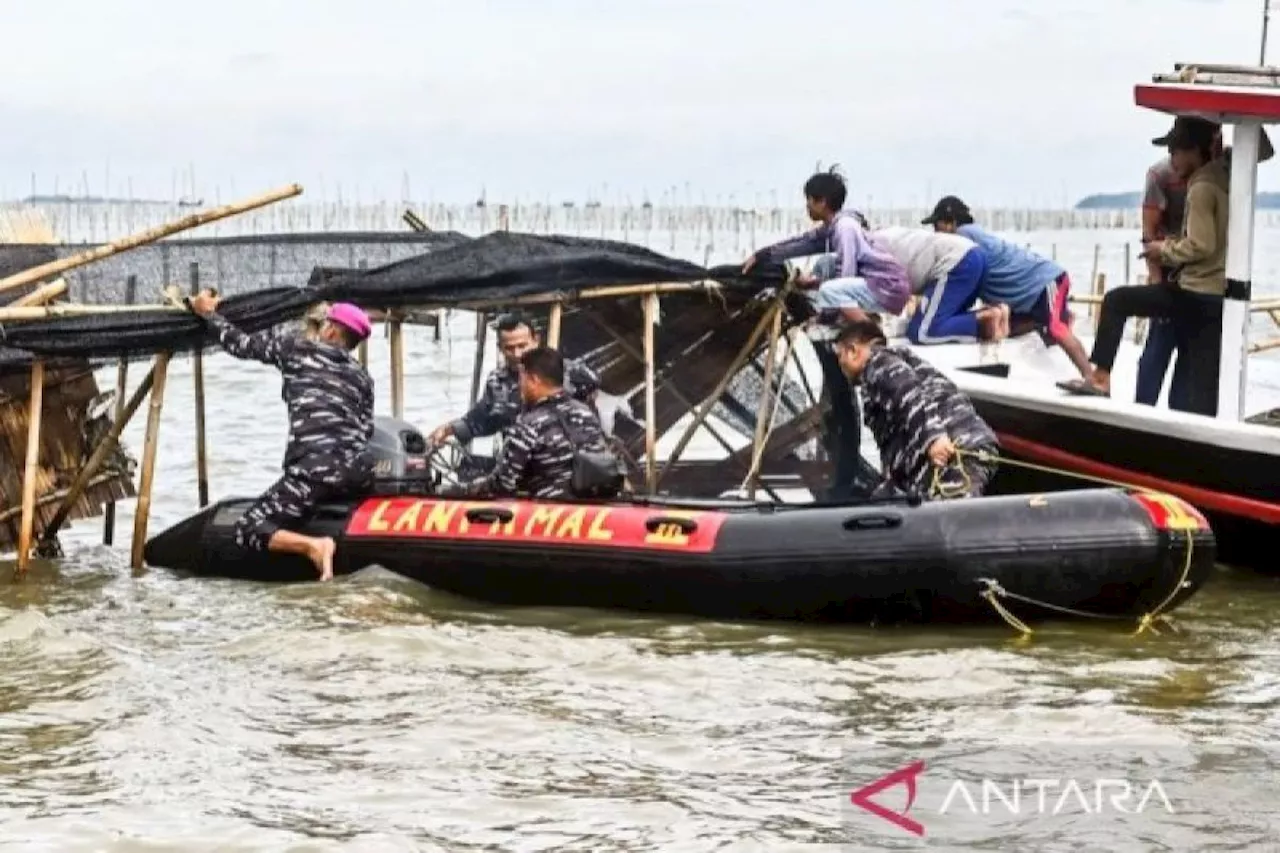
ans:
(497, 267)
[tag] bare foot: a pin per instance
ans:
(322, 556)
(989, 324)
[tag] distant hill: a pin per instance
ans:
(1131, 201)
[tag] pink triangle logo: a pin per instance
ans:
(902, 776)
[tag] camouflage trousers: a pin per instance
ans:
(287, 501)
(966, 478)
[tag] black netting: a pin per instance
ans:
(234, 265)
(497, 267)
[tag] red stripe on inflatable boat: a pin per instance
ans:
(532, 522)
(1229, 504)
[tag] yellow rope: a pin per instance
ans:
(1014, 622)
(940, 489)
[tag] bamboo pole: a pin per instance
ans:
(1093, 280)
(414, 221)
(11, 314)
(142, 511)
(362, 350)
(553, 325)
(477, 367)
(35, 409)
(762, 416)
(740, 359)
(151, 235)
(50, 497)
(1099, 290)
(650, 395)
(612, 291)
(197, 371)
(397, 367)
(122, 375)
(675, 391)
(124, 414)
(769, 407)
(41, 295)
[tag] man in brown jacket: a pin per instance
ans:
(1194, 302)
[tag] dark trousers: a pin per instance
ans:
(1197, 327)
(1162, 344)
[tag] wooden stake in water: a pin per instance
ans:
(1099, 290)
(397, 366)
(762, 416)
(197, 370)
(553, 326)
(35, 408)
(122, 376)
(142, 511)
(477, 367)
(650, 395)
(362, 351)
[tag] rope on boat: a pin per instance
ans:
(993, 591)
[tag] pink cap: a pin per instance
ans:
(346, 314)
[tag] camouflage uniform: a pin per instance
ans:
(908, 404)
(499, 405)
(330, 400)
(537, 458)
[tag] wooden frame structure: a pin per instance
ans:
(41, 304)
(768, 443)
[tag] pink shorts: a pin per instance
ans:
(1051, 312)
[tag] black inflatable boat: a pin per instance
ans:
(1104, 552)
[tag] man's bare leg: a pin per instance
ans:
(317, 549)
(1075, 351)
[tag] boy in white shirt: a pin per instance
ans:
(945, 271)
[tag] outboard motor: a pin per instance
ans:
(400, 459)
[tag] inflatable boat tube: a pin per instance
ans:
(1103, 552)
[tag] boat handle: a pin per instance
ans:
(493, 514)
(872, 522)
(686, 525)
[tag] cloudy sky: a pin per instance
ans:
(1001, 101)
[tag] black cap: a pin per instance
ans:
(949, 209)
(1189, 132)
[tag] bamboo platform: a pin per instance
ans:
(64, 459)
(66, 440)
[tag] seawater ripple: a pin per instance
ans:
(151, 712)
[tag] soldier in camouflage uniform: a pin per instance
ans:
(498, 406)
(918, 418)
(330, 400)
(537, 457)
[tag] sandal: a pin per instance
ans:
(1080, 388)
